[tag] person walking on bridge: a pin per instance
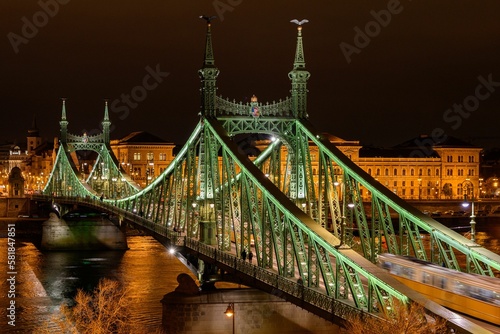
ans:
(244, 254)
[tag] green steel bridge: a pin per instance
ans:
(299, 221)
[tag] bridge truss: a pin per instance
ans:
(106, 178)
(297, 205)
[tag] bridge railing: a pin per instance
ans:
(276, 284)
(265, 279)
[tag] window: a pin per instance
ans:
(437, 172)
(395, 172)
(411, 183)
(378, 171)
(449, 158)
(403, 183)
(370, 171)
(471, 158)
(420, 172)
(137, 156)
(426, 278)
(395, 183)
(150, 156)
(428, 172)
(163, 157)
(387, 172)
(460, 158)
(412, 172)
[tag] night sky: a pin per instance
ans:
(416, 60)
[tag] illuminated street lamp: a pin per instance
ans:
(343, 217)
(466, 204)
(230, 313)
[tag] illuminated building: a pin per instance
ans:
(143, 156)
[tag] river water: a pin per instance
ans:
(44, 280)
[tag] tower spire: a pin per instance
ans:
(209, 52)
(106, 123)
(106, 113)
(63, 123)
(208, 74)
(33, 138)
(299, 76)
(33, 123)
(300, 61)
(33, 132)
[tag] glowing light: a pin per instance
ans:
(230, 310)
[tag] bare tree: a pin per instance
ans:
(105, 310)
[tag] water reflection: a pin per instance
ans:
(147, 269)
(47, 279)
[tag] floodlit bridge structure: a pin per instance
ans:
(315, 241)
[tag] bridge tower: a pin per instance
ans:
(299, 76)
(208, 75)
(281, 203)
(70, 178)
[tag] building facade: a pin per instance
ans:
(445, 169)
(34, 159)
(143, 156)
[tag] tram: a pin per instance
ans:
(471, 294)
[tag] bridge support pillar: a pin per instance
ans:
(208, 233)
(187, 310)
(81, 234)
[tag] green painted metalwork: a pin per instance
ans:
(106, 177)
(297, 220)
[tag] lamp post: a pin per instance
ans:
(230, 313)
(465, 204)
(113, 190)
(343, 244)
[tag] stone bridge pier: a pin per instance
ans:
(82, 231)
(188, 310)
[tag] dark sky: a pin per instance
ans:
(398, 84)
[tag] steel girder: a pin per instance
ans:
(299, 249)
(445, 243)
(375, 224)
(65, 180)
(285, 237)
(257, 212)
(105, 178)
